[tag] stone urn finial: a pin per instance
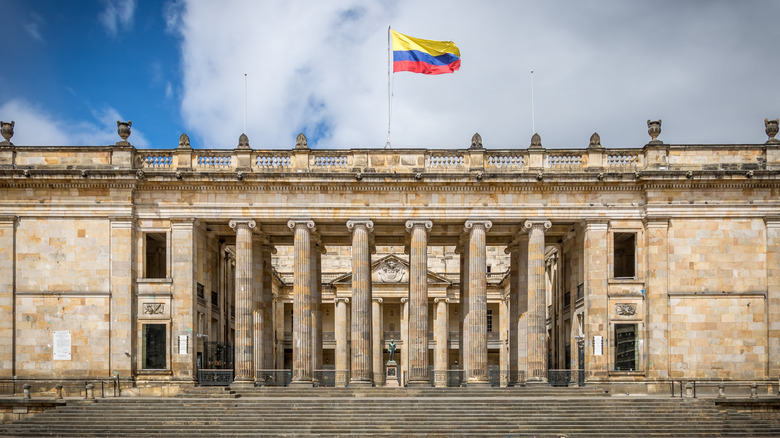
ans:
(243, 142)
(300, 142)
(769, 125)
(595, 141)
(7, 131)
(184, 141)
(123, 129)
(654, 129)
(536, 141)
(476, 141)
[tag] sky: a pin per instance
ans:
(71, 69)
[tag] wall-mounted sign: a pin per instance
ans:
(62, 345)
(183, 340)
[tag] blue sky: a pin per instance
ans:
(72, 68)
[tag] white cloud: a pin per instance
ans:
(35, 126)
(321, 68)
(33, 27)
(116, 15)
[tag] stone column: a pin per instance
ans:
(244, 358)
(657, 295)
(513, 250)
(362, 367)
(122, 333)
(773, 294)
(302, 291)
(342, 350)
(316, 309)
(504, 332)
(537, 302)
(404, 339)
(279, 331)
(183, 262)
(441, 353)
(268, 307)
(464, 309)
(377, 339)
(476, 374)
(7, 307)
(522, 309)
(418, 302)
(259, 321)
(596, 299)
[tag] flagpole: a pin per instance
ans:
(533, 117)
(389, 82)
(244, 103)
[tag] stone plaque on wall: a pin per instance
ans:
(625, 309)
(154, 308)
(62, 344)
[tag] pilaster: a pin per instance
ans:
(7, 292)
(377, 339)
(342, 350)
(596, 299)
(657, 295)
(362, 367)
(441, 332)
(773, 294)
(404, 339)
(476, 373)
(122, 335)
(183, 263)
(316, 309)
(418, 302)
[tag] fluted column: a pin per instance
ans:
(513, 251)
(504, 332)
(259, 320)
(316, 308)
(378, 341)
(441, 353)
(463, 250)
(268, 308)
(537, 302)
(361, 365)
(243, 358)
(418, 302)
(342, 350)
(302, 288)
(477, 319)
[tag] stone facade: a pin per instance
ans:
(482, 266)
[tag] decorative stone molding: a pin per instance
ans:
(154, 308)
(344, 300)
(7, 130)
(184, 141)
(625, 309)
(392, 271)
(476, 142)
(301, 142)
(595, 141)
(770, 127)
(308, 223)
(243, 142)
(410, 224)
(441, 300)
(654, 130)
(536, 141)
(249, 222)
(527, 225)
(470, 224)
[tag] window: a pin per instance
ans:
(154, 347)
(624, 247)
(626, 352)
(490, 321)
(201, 292)
(156, 255)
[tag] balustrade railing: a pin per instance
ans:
(504, 161)
(155, 160)
(272, 161)
(214, 160)
(445, 160)
(329, 161)
(623, 159)
(564, 160)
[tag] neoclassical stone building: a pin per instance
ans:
(483, 266)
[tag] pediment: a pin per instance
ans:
(391, 269)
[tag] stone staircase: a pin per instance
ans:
(553, 412)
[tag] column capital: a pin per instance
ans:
(471, 224)
(404, 300)
(234, 223)
(537, 223)
(441, 300)
(415, 223)
(368, 223)
(12, 219)
(344, 299)
(378, 300)
(307, 223)
(268, 247)
(596, 224)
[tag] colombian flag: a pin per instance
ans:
(424, 56)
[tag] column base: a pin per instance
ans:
(419, 383)
(361, 383)
(242, 384)
(478, 383)
(302, 383)
(537, 381)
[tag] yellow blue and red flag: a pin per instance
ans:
(424, 56)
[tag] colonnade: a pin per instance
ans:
(363, 357)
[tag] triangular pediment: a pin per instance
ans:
(391, 269)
